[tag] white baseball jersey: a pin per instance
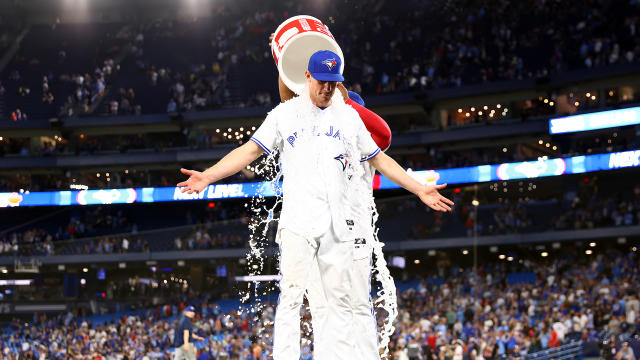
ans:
(316, 149)
(362, 212)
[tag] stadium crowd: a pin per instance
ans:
(504, 310)
(461, 45)
(488, 315)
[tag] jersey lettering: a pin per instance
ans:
(315, 131)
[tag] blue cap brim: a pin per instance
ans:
(327, 77)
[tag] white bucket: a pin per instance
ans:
(294, 42)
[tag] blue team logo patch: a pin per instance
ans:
(330, 63)
(343, 160)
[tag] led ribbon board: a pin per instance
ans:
(594, 121)
(473, 174)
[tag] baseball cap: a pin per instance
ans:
(190, 308)
(356, 97)
(324, 65)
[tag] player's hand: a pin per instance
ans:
(431, 197)
(186, 346)
(195, 183)
(343, 91)
(271, 38)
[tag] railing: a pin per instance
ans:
(572, 350)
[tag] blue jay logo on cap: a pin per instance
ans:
(330, 63)
(325, 65)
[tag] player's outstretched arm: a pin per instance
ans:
(427, 193)
(233, 162)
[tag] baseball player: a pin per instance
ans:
(365, 332)
(318, 139)
(365, 327)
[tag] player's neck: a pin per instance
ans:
(322, 105)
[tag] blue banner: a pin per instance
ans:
(594, 121)
(473, 174)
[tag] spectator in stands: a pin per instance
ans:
(172, 107)
(184, 336)
(626, 353)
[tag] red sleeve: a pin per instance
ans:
(376, 125)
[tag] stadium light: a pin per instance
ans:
(258, 278)
(544, 254)
(20, 282)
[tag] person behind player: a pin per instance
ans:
(317, 140)
(184, 335)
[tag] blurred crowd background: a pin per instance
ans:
(121, 94)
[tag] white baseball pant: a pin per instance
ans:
(364, 333)
(333, 259)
